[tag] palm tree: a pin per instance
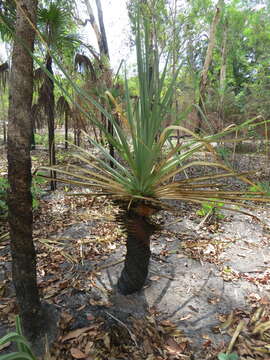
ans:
(143, 179)
(19, 174)
(54, 23)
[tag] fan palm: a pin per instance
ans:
(142, 178)
(54, 25)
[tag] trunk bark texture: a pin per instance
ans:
(138, 230)
(19, 172)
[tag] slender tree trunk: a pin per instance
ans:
(66, 130)
(5, 131)
(50, 112)
(138, 230)
(222, 77)
(19, 172)
(207, 62)
(33, 142)
(93, 23)
(103, 48)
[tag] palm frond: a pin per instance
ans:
(62, 106)
(85, 64)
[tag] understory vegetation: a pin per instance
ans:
(122, 187)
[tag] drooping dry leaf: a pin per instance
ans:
(4, 346)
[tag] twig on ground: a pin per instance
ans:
(162, 276)
(109, 265)
(132, 336)
(235, 336)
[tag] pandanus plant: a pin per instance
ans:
(144, 173)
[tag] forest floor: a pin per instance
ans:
(208, 290)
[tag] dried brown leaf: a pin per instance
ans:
(76, 333)
(77, 353)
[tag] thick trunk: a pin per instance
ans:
(50, 107)
(138, 230)
(19, 173)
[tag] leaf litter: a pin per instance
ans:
(68, 265)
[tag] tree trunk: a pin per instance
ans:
(138, 230)
(66, 130)
(222, 77)
(4, 131)
(50, 109)
(93, 23)
(207, 62)
(103, 49)
(19, 172)
(33, 141)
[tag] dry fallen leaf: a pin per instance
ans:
(77, 353)
(75, 333)
(173, 347)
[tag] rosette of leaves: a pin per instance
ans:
(143, 177)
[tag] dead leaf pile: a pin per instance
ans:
(250, 332)
(139, 339)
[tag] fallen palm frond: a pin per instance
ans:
(250, 337)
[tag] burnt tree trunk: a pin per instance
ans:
(139, 230)
(50, 110)
(19, 172)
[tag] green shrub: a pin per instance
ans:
(36, 190)
(211, 208)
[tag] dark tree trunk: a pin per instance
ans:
(19, 173)
(66, 130)
(50, 109)
(138, 230)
